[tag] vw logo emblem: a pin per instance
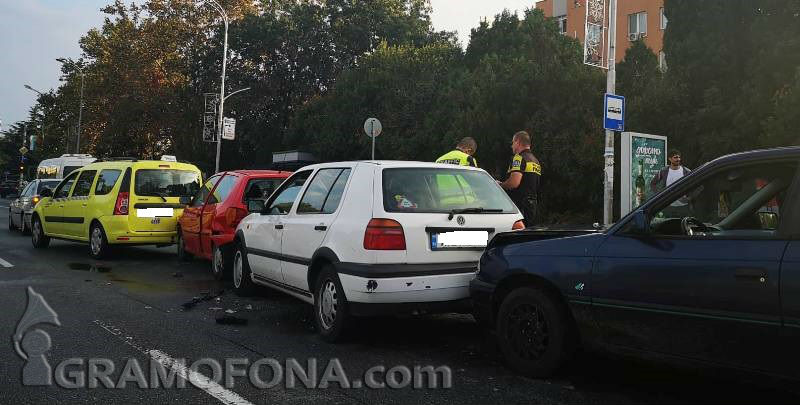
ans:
(460, 220)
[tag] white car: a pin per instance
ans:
(376, 237)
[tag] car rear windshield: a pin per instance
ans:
(166, 182)
(51, 184)
(442, 190)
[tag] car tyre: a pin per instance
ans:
(220, 262)
(331, 313)
(38, 237)
(183, 255)
(11, 226)
(242, 279)
(534, 332)
(98, 243)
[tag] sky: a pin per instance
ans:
(33, 33)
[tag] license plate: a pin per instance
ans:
(459, 240)
(154, 212)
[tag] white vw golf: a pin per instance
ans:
(376, 237)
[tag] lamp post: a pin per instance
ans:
(27, 86)
(220, 119)
(77, 66)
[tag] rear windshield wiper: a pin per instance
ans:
(475, 210)
(155, 195)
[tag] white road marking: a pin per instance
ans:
(5, 263)
(197, 379)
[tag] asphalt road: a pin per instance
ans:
(130, 308)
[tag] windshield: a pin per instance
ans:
(442, 190)
(46, 184)
(166, 182)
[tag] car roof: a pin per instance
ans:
(140, 164)
(263, 173)
(753, 155)
(389, 164)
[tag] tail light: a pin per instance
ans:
(124, 195)
(234, 215)
(518, 225)
(384, 234)
(121, 206)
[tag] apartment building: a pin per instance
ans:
(636, 19)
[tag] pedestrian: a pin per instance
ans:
(666, 177)
(524, 173)
(462, 155)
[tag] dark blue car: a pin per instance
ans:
(708, 271)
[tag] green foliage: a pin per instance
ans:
(318, 69)
(519, 74)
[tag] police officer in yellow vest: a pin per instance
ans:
(462, 155)
(522, 184)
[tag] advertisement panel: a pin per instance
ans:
(643, 155)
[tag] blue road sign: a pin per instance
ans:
(614, 108)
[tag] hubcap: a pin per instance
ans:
(97, 239)
(328, 304)
(237, 270)
(217, 263)
(528, 332)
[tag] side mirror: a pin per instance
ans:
(46, 192)
(769, 220)
(185, 200)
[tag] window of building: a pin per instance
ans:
(562, 24)
(662, 62)
(637, 25)
(663, 19)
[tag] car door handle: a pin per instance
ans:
(751, 274)
(279, 226)
(321, 228)
(84, 205)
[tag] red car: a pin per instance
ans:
(206, 228)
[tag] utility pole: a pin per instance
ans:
(80, 114)
(78, 66)
(611, 81)
(220, 120)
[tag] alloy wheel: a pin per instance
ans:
(217, 261)
(528, 331)
(37, 229)
(96, 240)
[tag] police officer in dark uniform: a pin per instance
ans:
(462, 154)
(522, 184)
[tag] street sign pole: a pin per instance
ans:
(608, 154)
(373, 128)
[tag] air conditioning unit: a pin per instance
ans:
(633, 37)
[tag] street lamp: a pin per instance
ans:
(27, 86)
(224, 16)
(77, 66)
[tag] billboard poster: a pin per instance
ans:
(643, 155)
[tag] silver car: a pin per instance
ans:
(19, 211)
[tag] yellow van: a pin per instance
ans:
(116, 202)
